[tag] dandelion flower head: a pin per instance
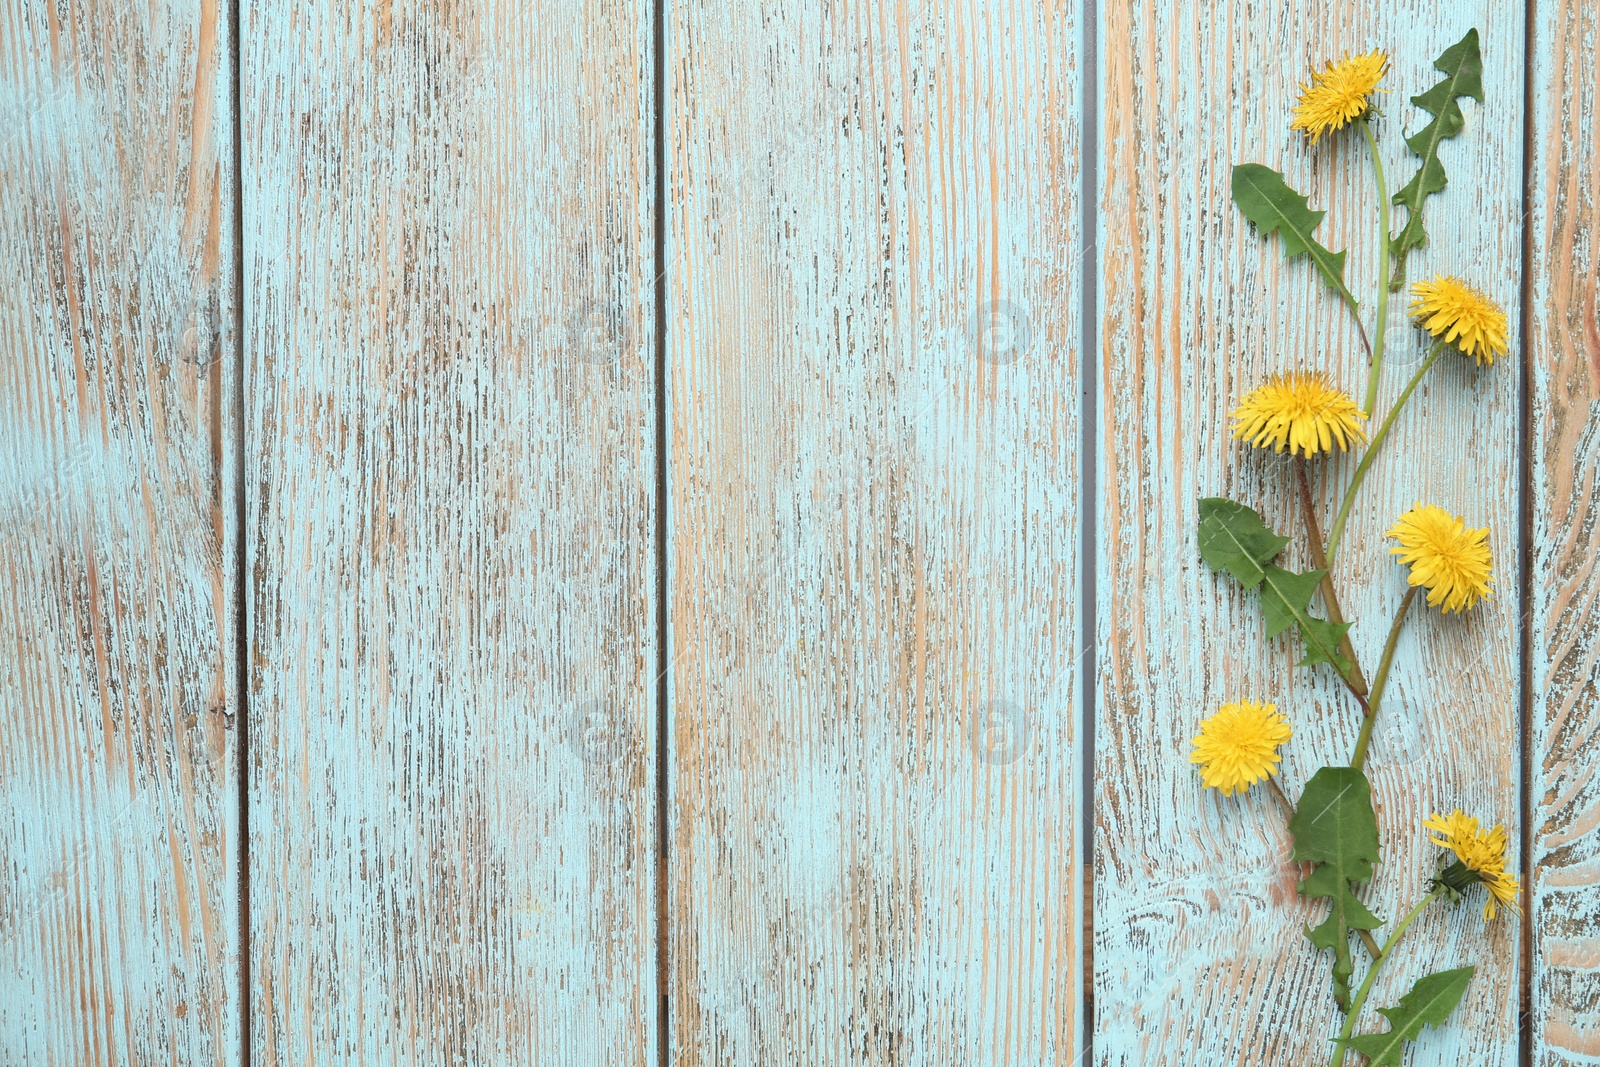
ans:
(1300, 412)
(1446, 558)
(1238, 746)
(1481, 851)
(1339, 94)
(1450, 308)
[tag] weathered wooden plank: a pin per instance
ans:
(874, 394)
(1198, 952)
(1564, 611)
(448, 249)
(119, 843)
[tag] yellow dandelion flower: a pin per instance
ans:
(1300, 412)
(1339, 94)
(1451, 308)
(1481, 851)
(1238, 746)
(1459, 832)
(1448, 560)
(1503, 889)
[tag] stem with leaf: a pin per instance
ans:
(1359, 1001)
(1268, 201)
(1356, 682)
(1289, 813)
(1372, 449)
(1381, 681)
(1282, 797)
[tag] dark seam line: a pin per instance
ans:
(663, 643)
(1525, 548)
(1088, 488)
(241, 634)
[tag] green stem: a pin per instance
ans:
(1380, 681)
(1361, 328)
(1343, 1040)
(1372, 449)
(1383, 270)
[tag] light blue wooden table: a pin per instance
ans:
(591, 532)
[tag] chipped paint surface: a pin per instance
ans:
(1564, 793)
(873, 339)
(118, 540)
(448, 246)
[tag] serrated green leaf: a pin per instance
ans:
(1268, 201)
(1334, 828)
(1345, 913)
(1236, 539)
(1286, 601)
(1429, 1003)
(1462, 66)
(1322, 639)
(1287, 597)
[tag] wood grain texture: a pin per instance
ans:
(1198, 952)
(119, 845)
(1564, 613)
(874, 393)
(448, 244)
